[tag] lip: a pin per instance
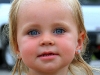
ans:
(48, 55)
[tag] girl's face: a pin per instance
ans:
(47, 36)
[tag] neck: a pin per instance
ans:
(63, 71)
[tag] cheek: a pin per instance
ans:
(67, 48)
(27, 48)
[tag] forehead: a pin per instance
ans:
(44, 12)
(25, 4)
(43, 6)
(35, 10)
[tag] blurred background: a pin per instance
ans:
(91, 14)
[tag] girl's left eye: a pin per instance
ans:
(33, 32)
(59, 31)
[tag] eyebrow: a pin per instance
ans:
(64, 24)
(53, 25)
(28, 26)
(32, 25)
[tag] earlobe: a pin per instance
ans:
(77, 51)
(18, 56)
(17, 51)
(81, 38)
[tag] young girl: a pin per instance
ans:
(48, 37)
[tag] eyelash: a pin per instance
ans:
(57, 31)
(34, 32)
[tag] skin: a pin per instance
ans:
(46, 19)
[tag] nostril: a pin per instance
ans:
(51, 43)
(46, 43)
(43, 44)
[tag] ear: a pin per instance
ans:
(17, 51)
(80, 40)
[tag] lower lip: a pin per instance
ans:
(51, 57)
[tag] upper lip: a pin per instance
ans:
(45, 53)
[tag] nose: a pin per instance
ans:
(46, 41)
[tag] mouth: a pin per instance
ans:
(47, 54)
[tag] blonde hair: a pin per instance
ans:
(77, 65)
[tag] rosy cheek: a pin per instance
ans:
(27, 47)
(67, 46)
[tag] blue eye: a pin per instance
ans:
(59, 31)
(33, 32)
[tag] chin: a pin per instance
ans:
(51, 69)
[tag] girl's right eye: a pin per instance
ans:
(33, 32)
(59, 31)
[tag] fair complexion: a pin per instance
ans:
(47, 37)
